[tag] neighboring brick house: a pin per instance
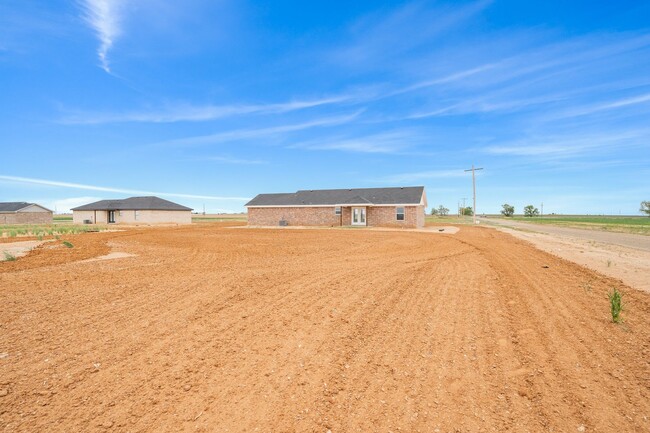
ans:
(133, 210)
(378, 207)
(24, 213)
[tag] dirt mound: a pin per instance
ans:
(209, 328)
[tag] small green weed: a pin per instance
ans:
(615, 305)
(9, 257)
(68, 244)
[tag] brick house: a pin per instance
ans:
(133, 210)
(378, 207)
(24, 213)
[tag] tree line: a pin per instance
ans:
(508, 210)
(443, 211)
(531, 211)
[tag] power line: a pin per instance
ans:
(473, 170)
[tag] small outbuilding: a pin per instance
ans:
(379, 207)
(133, 210)
(20, 212)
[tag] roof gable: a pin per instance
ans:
(134, 203)
(18, 206)
(335, 197)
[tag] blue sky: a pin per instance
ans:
(212, 102)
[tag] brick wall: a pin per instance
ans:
(421, 210)
(385, 216)
(295, 216)
(377, 216)
(26, 218)
(79, 216)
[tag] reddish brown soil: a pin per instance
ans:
(212, 329)
(52, 253)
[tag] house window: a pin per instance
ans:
(119, 212)
(136, 214)
(337, 210)
(399, 213)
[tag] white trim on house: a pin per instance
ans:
(344, 205)
(362, 219)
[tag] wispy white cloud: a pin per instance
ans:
(372, 38)
(605, 106)
(182, 112)
(450, 78)
(230, 160)
(385, 142)
(485, 104)
(424, 175)
(65, 205)
(249, 133)
(519, 81)
(562, 146)
(24, 22)
(55, 183)
(104, 18)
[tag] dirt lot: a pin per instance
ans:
(209, 328)
(620, 255)
(628, 240)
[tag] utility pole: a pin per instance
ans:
(473, 170)
(542, 208)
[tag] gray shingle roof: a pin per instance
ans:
(15, 206)
(133, 203)
(334, 197)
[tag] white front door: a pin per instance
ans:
(358, 216)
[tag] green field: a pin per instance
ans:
(622, 224)
(449, 219)
(41, 231)
(208, 218)
(62, 218)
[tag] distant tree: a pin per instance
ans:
(442, 211)
(468, 211)
(508, 210)
(645, 207)
(531, 211)
(434, 211)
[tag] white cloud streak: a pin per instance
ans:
(54, 183)
(193, 113)
(248, 133)
(103, 16)
(613, 105)
(453, 77)
(372, 41)
(563, 146)
(65, 205)
(424, 175)
(387, 142)
(230, 160)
